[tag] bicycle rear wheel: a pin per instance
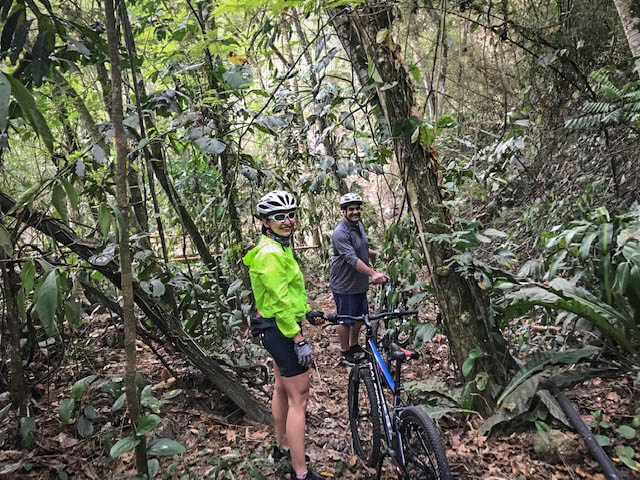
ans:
(425, 457)
(364, 416)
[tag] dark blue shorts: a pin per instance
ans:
(281, 349)
(355, 305)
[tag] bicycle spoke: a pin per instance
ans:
(418, 452)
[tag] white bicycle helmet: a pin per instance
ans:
(349, 198)
(276, 201)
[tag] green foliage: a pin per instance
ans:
(30, 110)
(615, 106)
(123, 445)
(27, 431)
(6, 244)
(603, 253)
(47, 300)
(541, 360)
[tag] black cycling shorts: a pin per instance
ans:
(281, 349)
(355, 305)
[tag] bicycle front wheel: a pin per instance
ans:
(425, 457)
(364, 416)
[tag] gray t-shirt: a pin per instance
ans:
(349, 244)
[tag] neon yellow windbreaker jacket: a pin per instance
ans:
(278, 285)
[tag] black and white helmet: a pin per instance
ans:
(349, 198)
(276, 201)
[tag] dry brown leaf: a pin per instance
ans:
(259, 435)
(65, 440)
(231, 436)
(166, 384)
(613, 396)
(89, 472)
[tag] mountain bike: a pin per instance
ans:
(404, 433)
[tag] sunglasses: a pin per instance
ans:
(280, 217)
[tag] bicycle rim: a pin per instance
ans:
(364, 416)
(424, 452)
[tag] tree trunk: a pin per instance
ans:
(444, 64)
(629, 12)
(17, 383)
(126, 278)
(156, 314)
(463, 305)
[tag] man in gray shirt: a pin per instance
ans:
(350, 273)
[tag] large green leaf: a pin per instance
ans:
(78, 389)
(4, 412)
(72, 193)
(117, 405)
(585, 246)
(5, 95)
(66, 409)
(123, 446)
(19, 39)
(59, 200)
(25, 198)
(27, 431)
(515, 403)
(31, 112)
(40, 56)
(27, 274)
(84, 426)
(120, 223)
(621, 279)
(561, 294)
(605, 236)
(163, 447)
(540, 360)
(6, 245)
(553, 406)
(104, 219)
(47, 301)
(9, 28)
(146, 424)
(556, 262)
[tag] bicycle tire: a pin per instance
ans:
(364, 416)
(425, 457)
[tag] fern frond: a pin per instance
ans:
(584, 122)
(597, 107)
(604, 86)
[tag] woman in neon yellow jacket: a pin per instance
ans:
(278, 288)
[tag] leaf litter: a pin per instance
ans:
(220, 443)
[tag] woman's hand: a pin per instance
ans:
(315, 317)
(303, 352)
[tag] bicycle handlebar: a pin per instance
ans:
(335, 318)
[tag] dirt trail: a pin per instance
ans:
(221, 444)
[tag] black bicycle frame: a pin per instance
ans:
(378, 368)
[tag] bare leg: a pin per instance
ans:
(354, 333)
(297, 389)
(343, 336)
(279, 408)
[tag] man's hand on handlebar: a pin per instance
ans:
(379, 278)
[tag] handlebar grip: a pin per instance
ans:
(399, 353)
